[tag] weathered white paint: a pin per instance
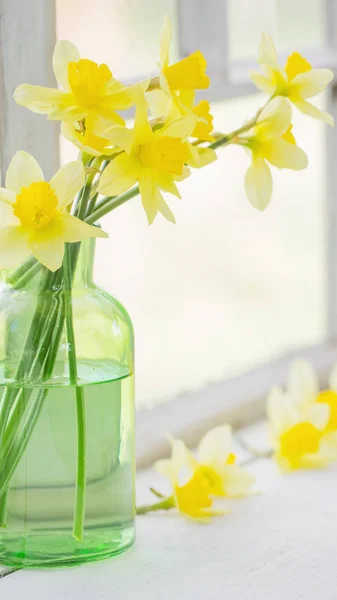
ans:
(279, 545)
(27, 38)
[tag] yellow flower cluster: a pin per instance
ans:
(172, 132)
(155, 155)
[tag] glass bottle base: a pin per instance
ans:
(47, 550)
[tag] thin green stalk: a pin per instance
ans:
(22, 270)
(110, 203)
(92, 204)
(165, 504)
(27, 277)
(19, 445)
(82, 206)
(80, 404)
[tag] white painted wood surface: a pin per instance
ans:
(27, 38)
(278, 545)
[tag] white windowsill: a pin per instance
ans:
(280, 544)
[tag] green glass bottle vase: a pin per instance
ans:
(66, 437)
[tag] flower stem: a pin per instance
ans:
(165, 504)
(109, 203)
(80, 404)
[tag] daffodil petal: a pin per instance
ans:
(320, 459)
(312, 82)
(164, 468)
(164, 208)
(48, 250)
(148, 195)
(166, 183)
(7, 216)
(120, 137)
(119, 176)
(277, 418)
(39, 99)
(14, 248)
(22, 171)
(142, 129)
(302, 383)
(76, 230)
(180, 128)
(214, 447)
(285, 155)
(70, 114)
(309, 109)
(267, 54)
(202, 157)
(318, 414)
(68, 180)
(160, 103)
(186, 173)
(64, 53)
(165, 41)
(7, 196)
(259, 184)
(275, 118)
(236, 481)
(78, 140)
(262, 83)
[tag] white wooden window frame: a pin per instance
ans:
(27, 37)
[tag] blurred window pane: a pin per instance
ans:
(124, 34)
(293, 24)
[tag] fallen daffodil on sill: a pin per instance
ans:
(302, 421)
(197, 481)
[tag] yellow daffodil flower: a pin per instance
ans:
(297, 81)
(34, 214)
(90, 137)
(187, 74)
(300, 421)
(162, 105)
(86, 89)
(156, 159)
(270, 141)
(192, 495)
(215, 463)
(177, 84)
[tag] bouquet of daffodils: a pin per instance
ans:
(42, 223)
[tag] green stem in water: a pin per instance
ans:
(80, 404)
(165, 504)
